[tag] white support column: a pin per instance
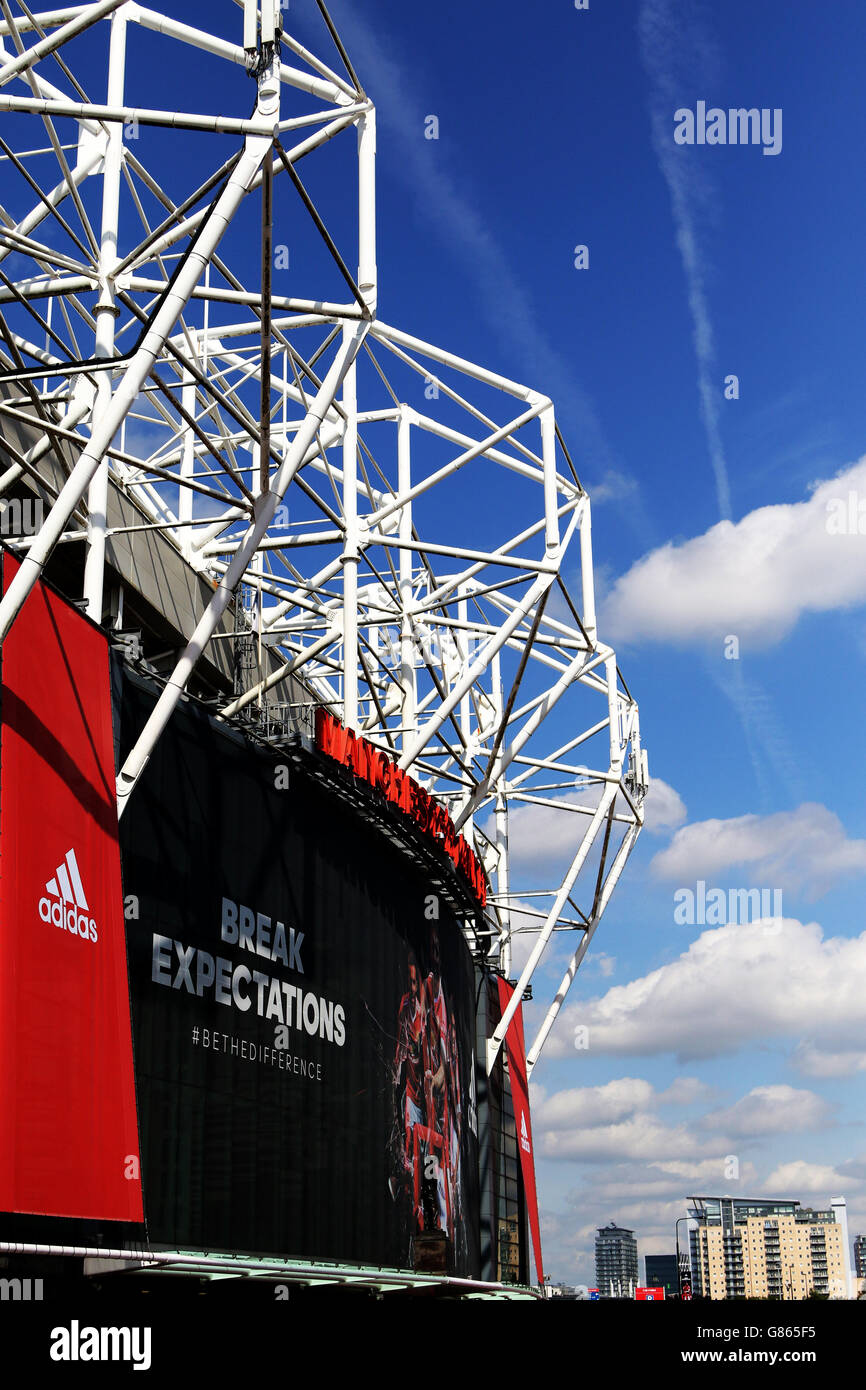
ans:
(548, 451)
(106, 315)
(351, 551)
(367, 277)
(614, 715)
(187, 468)
(408, 676)
(587, 580)
(459, 637)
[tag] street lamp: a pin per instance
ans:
(679, 1257)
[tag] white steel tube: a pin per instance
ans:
(46, 19)
(613, 706)
(587, 580)
(351, 553)
(106, 312)
(187, 468)
(407, 642)
(367, 209)
(449, 359)
(548, 450)
(126, 115)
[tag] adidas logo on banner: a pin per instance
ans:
(524, 1133)
(64, 903)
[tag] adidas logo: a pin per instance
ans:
(524, 1133)
(69, 906)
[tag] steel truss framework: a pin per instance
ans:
(358, 482)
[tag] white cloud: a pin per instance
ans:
(591, 1105)
(672, 1180)
(814, 1061)
(800, 1178)
(615, 1122)
(733, 986)
(685, 1090)
(664, 807)
(803, 849)
(639, 1137)
(771, 1110)
(752, 579)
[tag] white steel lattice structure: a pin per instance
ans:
(360, 483)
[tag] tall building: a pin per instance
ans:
(860, 1257)
(661, 1273)
(615, 1262)
(753, 1248)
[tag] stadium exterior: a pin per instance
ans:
(275, 678)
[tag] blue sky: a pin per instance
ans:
(713, 1050)
(704, 261)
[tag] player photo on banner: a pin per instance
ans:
(434, 1098)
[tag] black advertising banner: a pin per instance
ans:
(303, 1014)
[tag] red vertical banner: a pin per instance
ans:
(68, 1130)
(516, 1049)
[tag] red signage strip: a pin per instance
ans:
(369, 764)
(516, 1049)
(68, 1131)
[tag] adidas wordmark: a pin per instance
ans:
(64, 902)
